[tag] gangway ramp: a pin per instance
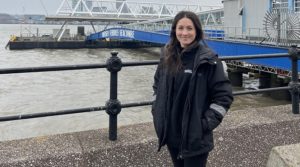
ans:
(280, 66)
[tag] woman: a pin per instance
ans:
(192, 94)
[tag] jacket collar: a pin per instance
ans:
(190, 49)
(205, 55)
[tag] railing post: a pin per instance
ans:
(114, 64)
(294, 84)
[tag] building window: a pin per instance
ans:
(297, 6)
(280, 4)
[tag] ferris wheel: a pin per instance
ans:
(282, 27)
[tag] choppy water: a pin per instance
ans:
(53, 91)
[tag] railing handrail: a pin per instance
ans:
(124, 64)
(125, 105)
(114, 64)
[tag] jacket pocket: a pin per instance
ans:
(211, 120)
(204, 125)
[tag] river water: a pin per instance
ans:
(53, 91)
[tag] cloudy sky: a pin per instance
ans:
(36, 7)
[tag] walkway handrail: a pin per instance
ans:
(125, 64)
(114, 65)
(71, 67)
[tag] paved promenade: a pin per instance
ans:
(245, 138)
(71, 123)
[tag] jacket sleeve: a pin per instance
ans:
(156, 79)
(158, 71)
(220, 93)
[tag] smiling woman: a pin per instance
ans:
(192, 94)
(185, 32)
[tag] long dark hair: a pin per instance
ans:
(172, 59)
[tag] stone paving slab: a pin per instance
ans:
(285, 156)
(41, 151)
(246, 137)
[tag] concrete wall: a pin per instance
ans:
(245, 138)
(252, 17)
(232, 19)
(255, 15)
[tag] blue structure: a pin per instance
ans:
(234, 49)
(216, 34)
(223, 48)
(160, 37)
(125, 33)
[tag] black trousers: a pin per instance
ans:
(196, 161)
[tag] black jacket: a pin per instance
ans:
(209, 97)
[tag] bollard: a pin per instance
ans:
(294, 84)
(114, 65)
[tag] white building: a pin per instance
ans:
(247, 18)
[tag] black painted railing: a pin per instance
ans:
(113, 106)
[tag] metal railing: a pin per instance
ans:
(113, 106)
(119, 9)
(258, 35)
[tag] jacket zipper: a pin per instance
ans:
(180, 154)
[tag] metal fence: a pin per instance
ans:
(287, 36)
(114, 64)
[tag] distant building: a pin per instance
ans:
(243, 14)
(212, 17)
(36, 19)
(7, 19)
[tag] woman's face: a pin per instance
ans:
(185, 32)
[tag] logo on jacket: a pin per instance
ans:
(188, 71)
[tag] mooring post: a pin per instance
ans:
(114, 65)
(294, 84)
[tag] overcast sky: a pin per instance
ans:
(36, 7)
